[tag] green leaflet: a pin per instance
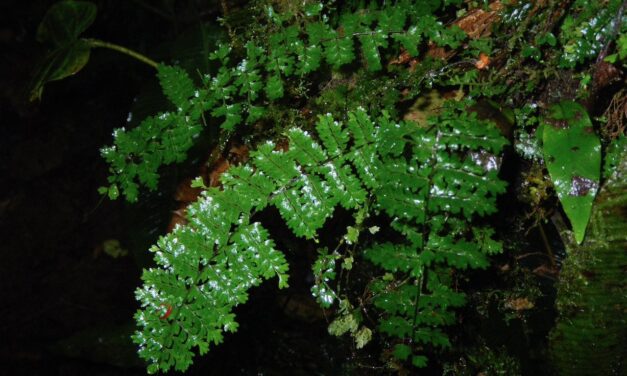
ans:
(274, 87)
(338, 51)
(176, 84)
(65, 21)
(572, 152)
(324, 272)
(370, 46)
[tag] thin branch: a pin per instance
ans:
(121, 49)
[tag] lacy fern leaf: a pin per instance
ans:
(238, 93)
(207, 267)
(432, 198)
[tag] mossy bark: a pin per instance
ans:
(590, 336)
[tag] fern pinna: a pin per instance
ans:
(252, 78)
(425, 179)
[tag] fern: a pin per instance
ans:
(207, 267)
(432, 199)
(590, 27)
(239, 92)
(426, 184)
(161, 139)
(426, 178)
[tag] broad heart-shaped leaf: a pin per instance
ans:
(65, 21)
(60, 63)
(572, 152)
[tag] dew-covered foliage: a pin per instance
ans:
(416, 176)
(239, 92)
(397, 115)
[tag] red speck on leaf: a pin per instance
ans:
(167, 313)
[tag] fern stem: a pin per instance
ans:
(422, 281)
(121, 49)
(420, 285)
(547, 245)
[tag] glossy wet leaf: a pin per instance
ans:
(65, 21)
(60, 63)
(61, 26)
(572, 152)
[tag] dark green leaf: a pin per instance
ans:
(65, 21)
(402, 351)
(60, 63)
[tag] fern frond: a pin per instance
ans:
(206, 269)
(139, 152)
(432, 199)
(208, 266)
(238, 93)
